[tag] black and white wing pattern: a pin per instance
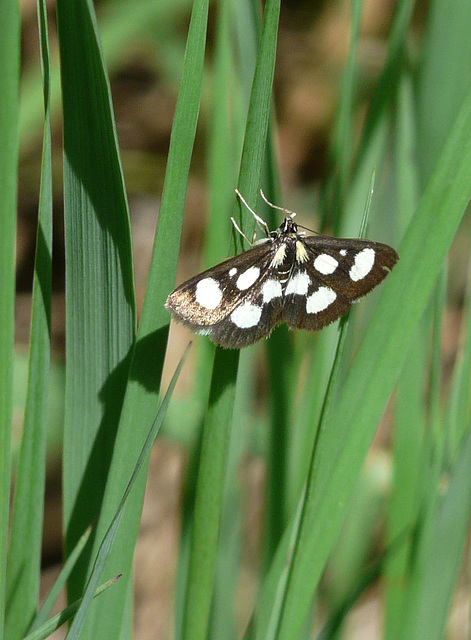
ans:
(307, 282)
(334, 273)
(235, 303)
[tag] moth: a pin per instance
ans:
(307, 282)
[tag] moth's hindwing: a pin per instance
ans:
(307, 282)
(336, 272)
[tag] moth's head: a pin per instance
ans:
(287, 226)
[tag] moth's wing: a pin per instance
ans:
(318, 307)
(252, 319)
(234, 303)
(337, 271)
(353, 267)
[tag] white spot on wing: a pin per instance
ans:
(325, 264)
(208, 293)
(271, 289)
(343, 252)
(232, 272)
(204, 332)
(320, 300)
(364, 261)
(246, 316)
(246, 279)
(298, 284)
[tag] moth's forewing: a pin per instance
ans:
(231, 302)
(183, 302)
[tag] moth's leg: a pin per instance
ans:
(241, 232)
(260, 221)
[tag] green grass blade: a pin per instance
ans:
(341, 147)
(212, 472)
(141, 398)
(110, 535)
(352, 422)
(225, 148)
(389, 80)
(280, 347)
(439, 554)
(458, 413)
(258, 118)
(9, 72)
(100, 304)
(59, 583)
(277, 612)
(403, 509)
(280, 395)
(441, 88)
(408, 179)
(410, 413)
(442, 518)
(374, 143)
(24, 560)
(223, 619)
(209, 493)
(331, 388)
(46, 629)
(226, 135)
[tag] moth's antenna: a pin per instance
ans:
(260, 221)
(274, 206)
(311, 230)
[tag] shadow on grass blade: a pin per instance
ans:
(108, 540)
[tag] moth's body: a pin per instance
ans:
(305, 281)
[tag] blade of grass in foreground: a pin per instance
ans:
(110, 535)
(51, 625)
(54, 592)
(353, 420)
(212, 471)
(25, 559)
(100, 301)
(9, 73)
(141, 398)
(225, 148)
